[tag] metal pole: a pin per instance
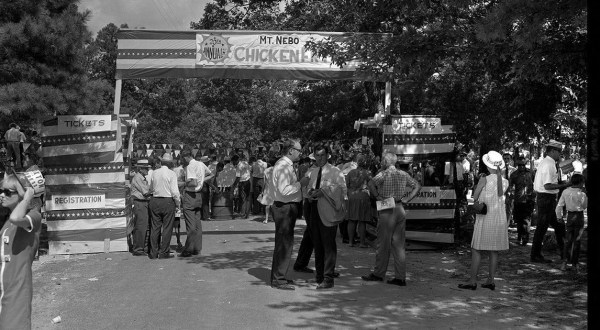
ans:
(117, 105)
(388, 97)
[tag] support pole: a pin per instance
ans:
(388, 97)
(117, 105)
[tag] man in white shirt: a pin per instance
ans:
(287, 194)
(165, 200)
(195, 174)
(546, 186)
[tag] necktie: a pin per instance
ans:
(506, 171)
(318, 184)
(454, 173)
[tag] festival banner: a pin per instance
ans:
(233, 54)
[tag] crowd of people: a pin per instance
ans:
(346, 194)
(331, 193)
(14, 151)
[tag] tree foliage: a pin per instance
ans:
(42, 73)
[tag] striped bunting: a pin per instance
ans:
(110, 190)
(424, 214)
(435, 237)
(85, 214)
(50, 141)
(437, 225)
(86, 168)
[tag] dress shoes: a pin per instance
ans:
(467, 286)
(303, 270)
(336, 274)
(491, 286)
(185, 254)
(286, 286)
(139, 254)
(152, 256)
(371, 277)
(541, 260)
(397, 281)
(325, 285)
(165, 256)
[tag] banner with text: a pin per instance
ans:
(75, 202)
(233, 54)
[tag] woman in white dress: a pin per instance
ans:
(491, 230)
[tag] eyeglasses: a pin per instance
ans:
(299, 150)
(7, 192)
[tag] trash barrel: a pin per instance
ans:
(222, 205)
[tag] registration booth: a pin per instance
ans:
(419, 141)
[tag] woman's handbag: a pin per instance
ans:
(478, 208)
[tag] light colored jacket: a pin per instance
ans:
(332, 207)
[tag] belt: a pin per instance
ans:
(280, 204)
(141, 200)
(576, 212)
(160, 197)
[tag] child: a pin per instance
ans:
(575, 201)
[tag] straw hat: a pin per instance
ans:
(493, 159)
(142, 163)
(554, 144)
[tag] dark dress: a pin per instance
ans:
(359, 204)
(17, 253)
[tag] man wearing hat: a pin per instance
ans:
(140, 193)
(547, 186)
(521, 192)
(165, 200)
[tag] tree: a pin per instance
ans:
(42, 62)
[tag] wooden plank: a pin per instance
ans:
(77, 247)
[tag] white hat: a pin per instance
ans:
(554, 144)
(493, 159)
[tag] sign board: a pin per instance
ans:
(232, 54)
(75, 202)
(430, 195)
(83, 124)
(414, 125)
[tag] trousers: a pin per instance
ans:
(162, 213)
(546, 204)
(391, 238)
(141, 213)
(284, 217)
(323, 238)
(573, 235)
(192, 213)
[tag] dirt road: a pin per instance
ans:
(226, 288)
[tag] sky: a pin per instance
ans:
(150, 14)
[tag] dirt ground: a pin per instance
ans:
(231, 291)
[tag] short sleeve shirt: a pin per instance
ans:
(546, 173)
(392, 182)
(196, 170)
